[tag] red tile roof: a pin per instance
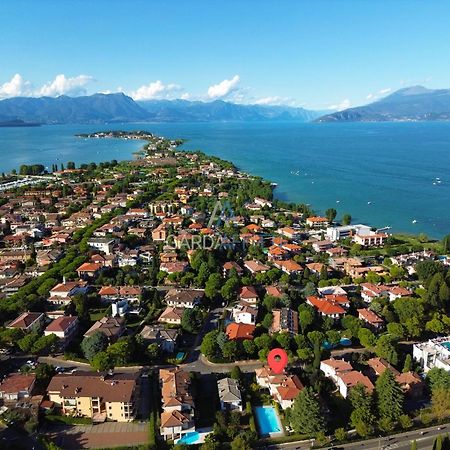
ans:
(237, 331)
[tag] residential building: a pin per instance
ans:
(229, 395)
(332, 368)
(177, 418)
(317, 222)
(433, 353)
(17, 386)
(347, 380)
(171, 315)
(326, 307)
(371, 240)
(63, 292)
(343, 232)
(249, 295)
(165, 338)
(243, 312)
(29, 322)
(102, 244)
(99, 396)
(64, 327)
(371, 318)
(239, 331)
(111, 327)
(184, 298)
(255, 266)
(283, 388)
(285, 320)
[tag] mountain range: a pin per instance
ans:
(415, 103)
(104, 108)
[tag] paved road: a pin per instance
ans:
(400, 441)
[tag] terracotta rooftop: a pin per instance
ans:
(17, 382)
(118, 387)
(237, 331)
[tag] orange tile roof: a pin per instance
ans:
(325, 306)
(290, 388)
(353, 378)
(237, 331)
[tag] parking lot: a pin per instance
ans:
(104, 435)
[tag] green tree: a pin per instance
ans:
(367, 338)
(267, 321)
(346, 219)
(306, 316)
(249, 347)
(340, 434)
(192, 320)
(236, 373)
(446, 243)
(212, 286)
(316, 338)
(230, 350)
(121, 351)
(385, 348)
(330, 214)
(153, 351)
(362, 417)
(91, 345)
(44, 344)
(306, 416)
(407, 366)
(102, 361)
(209, 346)
(389, 396)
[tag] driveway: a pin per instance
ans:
(104, 435)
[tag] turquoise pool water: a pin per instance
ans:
(446, 345)
(180, 355)
(267, 420)
(189, 438)
(345, 342)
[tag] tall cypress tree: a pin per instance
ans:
(306, 415)
(389, 397)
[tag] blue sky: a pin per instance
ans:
(317, 54)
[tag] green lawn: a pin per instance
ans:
(97, 314)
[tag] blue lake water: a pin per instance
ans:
(383, 174)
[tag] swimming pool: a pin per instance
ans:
(446, 345)
(345, 342)
(189, 438)
(267, 420)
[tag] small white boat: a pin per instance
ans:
(338, 201)
(369, 203)
(414, 221)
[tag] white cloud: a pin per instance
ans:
(63, 85)
(224, 88)
(274, 100)
(156, 90)
(16, 87)
(370, 96)
(384, 91)
(340, 106)
(186, 96)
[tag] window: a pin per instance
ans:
(110, 407)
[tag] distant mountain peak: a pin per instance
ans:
(414, 103)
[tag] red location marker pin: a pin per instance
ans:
(277, 359)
